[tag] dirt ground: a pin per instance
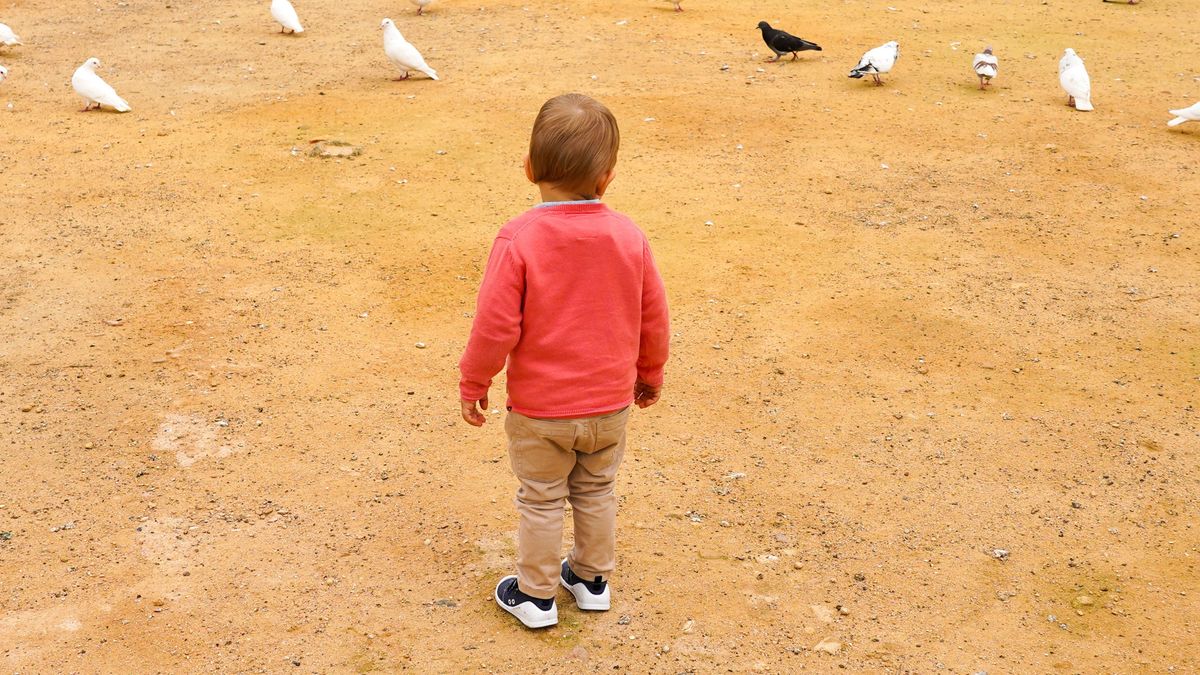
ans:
(914, 324)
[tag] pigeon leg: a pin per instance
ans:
(420, 10)
(981, 83)
(878, 82)
(1070, 100)
(774, 59)
(795, 55)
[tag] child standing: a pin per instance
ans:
(572, 300)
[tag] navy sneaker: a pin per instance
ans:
(531, 611)
(591, 595)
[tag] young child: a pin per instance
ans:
(572, 300)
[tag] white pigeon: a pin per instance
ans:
(877, 61)
(1184, 115)
(7, 37)
(1073, 77)
(283, 12)
(421, 5)
(402, 53)
(93, 89)
(985, 65)
(3, 73)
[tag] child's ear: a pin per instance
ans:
(604, 182)
(529, 170)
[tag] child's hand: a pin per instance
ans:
(644, 395)
(471, 414)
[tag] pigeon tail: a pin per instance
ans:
(431, 73)
(1083, 104)
(120, 105)
(1177, 121)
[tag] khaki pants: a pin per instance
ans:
(557, 460)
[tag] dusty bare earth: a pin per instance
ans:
(914, 324)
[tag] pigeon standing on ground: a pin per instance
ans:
(877, 61)
(95, 90)
(7, 37)
(283, 12)
(1182, 115)
(400, 52)
(1073, 77)
(421, 5)
(784, 43)
(985, 65)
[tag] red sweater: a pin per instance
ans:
(572, 299)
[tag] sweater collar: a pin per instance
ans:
(581, 205)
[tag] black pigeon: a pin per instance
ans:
(784, 43)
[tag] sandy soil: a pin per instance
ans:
(914, 324)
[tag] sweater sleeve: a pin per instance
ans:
(656, 329)
(497, 325)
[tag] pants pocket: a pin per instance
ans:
(539, 450)
(601, 464)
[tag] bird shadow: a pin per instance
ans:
(967, 87)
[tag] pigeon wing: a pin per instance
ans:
(985, 65)
(402, 53)
(1078, 85)
(882, 58)
(785, 42)
(1075, 81)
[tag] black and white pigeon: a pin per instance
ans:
(877, 61)
(986, 66)
(782, 43)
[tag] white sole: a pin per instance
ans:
(584, 599)
(526, 612)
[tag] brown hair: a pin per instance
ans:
(574, 142)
